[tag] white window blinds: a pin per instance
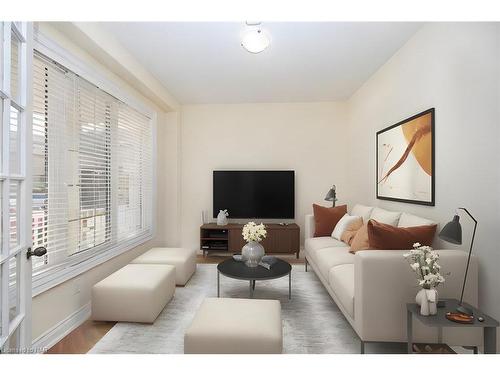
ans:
(92, 168)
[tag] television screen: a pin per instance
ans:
(254, 194)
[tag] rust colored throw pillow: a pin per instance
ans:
(360, 240)
(325, 219)
(351, 230)
(386, 237)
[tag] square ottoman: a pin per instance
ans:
(184, 261)
(134, 293)
(235, 326)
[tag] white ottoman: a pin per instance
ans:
(184, 261)
(134, 293)
(235, 326)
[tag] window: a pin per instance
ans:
(92, 169)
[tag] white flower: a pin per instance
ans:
(423, 261)
(254, 232)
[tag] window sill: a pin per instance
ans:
(44, 282)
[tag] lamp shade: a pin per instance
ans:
(331, 195)
(452, 232)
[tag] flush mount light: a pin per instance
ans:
(254, 40)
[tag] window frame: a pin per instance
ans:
(81, 262)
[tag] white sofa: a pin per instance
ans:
(372, 287)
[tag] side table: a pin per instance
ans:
(489, 325)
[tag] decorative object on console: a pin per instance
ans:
(452, 232)
(325, 219)
(253, 251)
(222, 217)
(331, 196)
(424, 262)
(347, 222)
(405, 160)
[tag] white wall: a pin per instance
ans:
(306, 137)
(456, 69)
(55, 305)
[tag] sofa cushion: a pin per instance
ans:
(384, 216)
(325, 219)
(409, 220)
(387, 237)
(363, 211)
(330, 257)
(315, 243)
(341, 280)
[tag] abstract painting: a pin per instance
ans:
(405, 160)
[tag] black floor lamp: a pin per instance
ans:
(452, 232)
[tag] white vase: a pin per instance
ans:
(252, 253)
(427, 299)
(221, 218)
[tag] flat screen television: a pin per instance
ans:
(254, 194)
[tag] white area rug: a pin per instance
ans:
(312, 323)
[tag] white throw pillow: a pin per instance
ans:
(342, 225)
(409, 220)
(385, 217)
(362, 211)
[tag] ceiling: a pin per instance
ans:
(203, 62)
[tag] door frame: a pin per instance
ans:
(15, 302)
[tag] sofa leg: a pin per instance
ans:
(362, 347)
(305, 261)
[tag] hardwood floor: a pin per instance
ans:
(83, 338)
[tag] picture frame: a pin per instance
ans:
(405, 160)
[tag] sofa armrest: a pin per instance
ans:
(384, 283)
(309, 227)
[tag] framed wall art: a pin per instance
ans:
(405, 160)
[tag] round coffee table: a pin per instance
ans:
(238, 270)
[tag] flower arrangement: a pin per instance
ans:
(254, 232)
(424, 262)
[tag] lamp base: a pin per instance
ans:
(464, 310)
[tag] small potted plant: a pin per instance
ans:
(424, 262)
(253, 251)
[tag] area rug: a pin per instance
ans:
(312, 323)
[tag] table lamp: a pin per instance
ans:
(331, 196)
(452, 232)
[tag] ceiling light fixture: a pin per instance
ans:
(255, 40)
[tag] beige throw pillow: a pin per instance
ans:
(351, 230)
(360, 240)
(343, 224)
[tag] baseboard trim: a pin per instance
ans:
(55, 334)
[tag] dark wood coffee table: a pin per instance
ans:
(238, 270)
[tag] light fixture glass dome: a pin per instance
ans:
(255, 41)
